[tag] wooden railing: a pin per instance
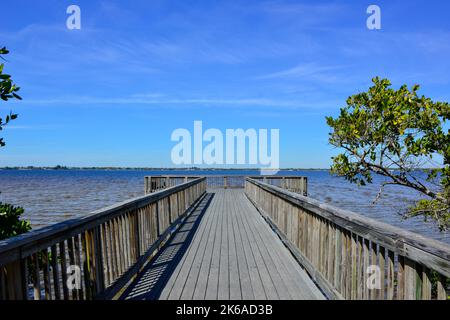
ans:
(103, 250)
(351, 256)
(296, 184)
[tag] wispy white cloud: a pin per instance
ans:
(148, 95)
(13, 127)
(183, 102)
(307, 9)
(302, 70)
(33, 127)
(282, 113)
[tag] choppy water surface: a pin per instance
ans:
(50, 196)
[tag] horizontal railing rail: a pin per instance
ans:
(351, 256)
(296, 184)
(86, 258)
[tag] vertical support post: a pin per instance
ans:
(410, 279)
(24, 278)
(62, 258)
(305, 186)
(169, 206)
(137, 235)
(441, 293)
(158, 231)
(401, 278)
(390, 275)
(146, 187)
(37, 278)
(99, 271)
(382, 265)
(55, 273)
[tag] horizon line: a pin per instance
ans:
(61, 167)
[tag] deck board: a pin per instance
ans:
(225, 250)
(223, 291)
(254, 272)
(283, 261)
(235, 281)
(214, 266)
(244, 275)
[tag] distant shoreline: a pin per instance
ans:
(154, 168)
(163, 169)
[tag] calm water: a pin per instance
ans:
(50, 196)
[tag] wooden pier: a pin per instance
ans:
(225, 250)
(223, 237)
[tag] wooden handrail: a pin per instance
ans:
(103, 245)
(341, 249)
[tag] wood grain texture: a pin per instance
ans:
(102, 249)
(233, 254)
(348, 254)
(432, 253)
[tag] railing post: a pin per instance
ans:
(137, 235)
(305, 186)
(169, 206)
(146, 185)
(158, 232)
(55, 272)
(441, 293)
(99, 271)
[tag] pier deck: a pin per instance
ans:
(224, 250)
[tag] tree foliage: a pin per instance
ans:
(394, 133)
(10, 223)
(8, 90)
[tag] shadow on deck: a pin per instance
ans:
(225, 250)
(154, 277)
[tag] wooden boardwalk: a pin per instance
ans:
(203, 238)
(224, 250)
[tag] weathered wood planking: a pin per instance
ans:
(233, 254)
(351, 256)
(107, 247)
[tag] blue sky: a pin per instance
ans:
(111, 93)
